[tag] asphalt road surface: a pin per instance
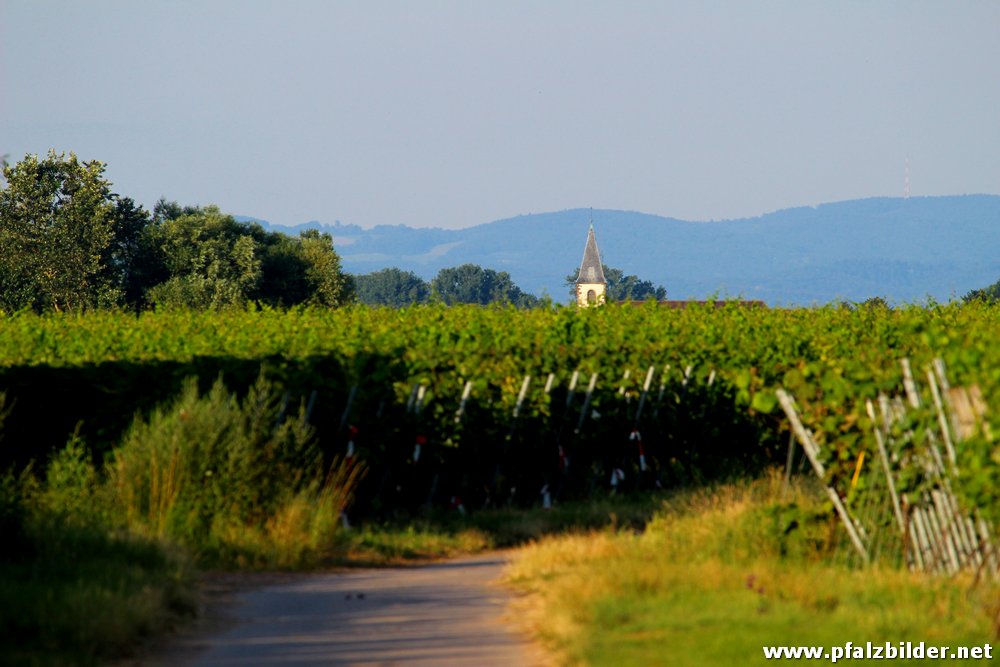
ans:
(448, 613)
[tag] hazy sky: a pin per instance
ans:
(452, 114)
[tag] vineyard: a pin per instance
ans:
(469, 406)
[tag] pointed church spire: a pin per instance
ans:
(591, 285)
(591, 270)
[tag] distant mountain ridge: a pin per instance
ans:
(903, 249)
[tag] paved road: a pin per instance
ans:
(447, 613)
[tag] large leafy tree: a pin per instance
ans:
(124, 259)
(66, 241)
(623, 287)
(470, 283)
(299, 270)
(201, 258)
(391, 287)
(210, 260)
(328, 284)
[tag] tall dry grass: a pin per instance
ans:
(720, 572)
(234, 480)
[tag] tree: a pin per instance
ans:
(622, 287)
(68, 243)
(59, 225)
(210, 260)
(283, 271)
(125, 258)
(303, 270)
(201, 258)
(391, 287)
(470, 283)
(989, 294)
(329, 285)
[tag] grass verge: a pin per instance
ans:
(717, 575)
(93, 561)
(445, 534)
(74, 595)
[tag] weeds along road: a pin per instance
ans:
(447, 613)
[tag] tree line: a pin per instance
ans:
(470, 283)
(68, 242)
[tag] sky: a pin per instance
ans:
(456, 113)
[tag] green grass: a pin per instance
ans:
(93, 561)
(384, 544)
(441, 534)
(719, 574)
(446, 534)
(78, 595)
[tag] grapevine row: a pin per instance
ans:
(100, 368)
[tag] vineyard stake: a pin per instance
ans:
(956, 548)
(513, 427)
(586, 403)
(965, 540)
(418, 406)
(933, 537)
(935, 519)
(642, 397)
(790, 459)
(634, 435)
(909, 386)
(927, 554)
(948, 563)
(953, 536)
(466, 391)
(942, 378)
(561, 453)
(663, 381)
(947, 505)
(812, 451)
(911, 545)
(572, 387)
(942, 418)
(413, 397)
(625, 376)
(663, 389)
(521, 395)
(885, 466)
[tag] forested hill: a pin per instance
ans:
(902, 249)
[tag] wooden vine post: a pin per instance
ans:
(812, 451)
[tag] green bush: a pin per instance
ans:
(94, 559)
(238, 482)
(70, 492)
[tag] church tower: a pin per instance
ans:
(590, 284)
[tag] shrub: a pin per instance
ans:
(236, 481)
(70, 492)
